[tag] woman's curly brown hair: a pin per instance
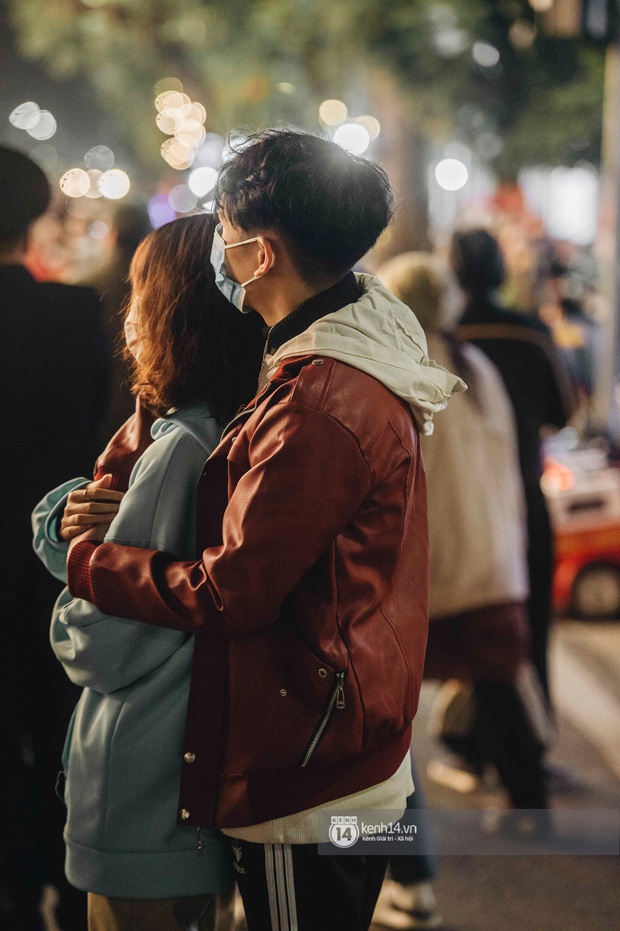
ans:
(194, 344)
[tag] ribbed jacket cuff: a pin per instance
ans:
(78, 570)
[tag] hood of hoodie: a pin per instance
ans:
(379, 335)
(196, 420)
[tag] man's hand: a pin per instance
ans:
(90, 511)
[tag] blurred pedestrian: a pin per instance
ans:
(575, 332)
(128, 226)
(54, 385)
(194, 363)
(478, 577)
(520, 346)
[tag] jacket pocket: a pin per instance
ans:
(305, 676)
(335, 701)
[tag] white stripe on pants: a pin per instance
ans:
(281, 887)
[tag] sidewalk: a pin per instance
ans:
(560, 893)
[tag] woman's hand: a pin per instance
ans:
(90, 510)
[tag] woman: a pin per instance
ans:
(194, 362)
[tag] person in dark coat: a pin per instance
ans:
(521, 348)
(54, 387)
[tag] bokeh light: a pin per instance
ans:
(210, 152)
(286, 88)
(98, 230)
(182, 119)
(191, 134)
(197, 112)
(202, 180)
(162, 100)
(168, 84)
(75, 182)
(94, 176)
(485, 54)
(541, 6)
(451, 174)
(175, 114)
(450, 42)
(522, 34)
(182, 199)
(353, 137)
(371, 124)
(177, 155)
(489, 145)
(44, 128)
(100, 157)
(160, 211)
(114, 184)
(182, 165)
(172, 101)
(333, 112)
(169, 124)
(25, 116)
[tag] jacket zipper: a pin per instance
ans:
(242, 413)
(336, 700)
(262, 361)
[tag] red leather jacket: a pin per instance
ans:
(309, 603)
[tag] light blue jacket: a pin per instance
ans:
(122, 755)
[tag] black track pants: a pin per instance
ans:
(288, 887)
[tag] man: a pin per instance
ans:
(53, 382)
(309, 603)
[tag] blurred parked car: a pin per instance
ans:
(583, 494)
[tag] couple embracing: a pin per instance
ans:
(249, 619)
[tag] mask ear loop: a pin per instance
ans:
(245, 242)
(250, 280)
(233, 245)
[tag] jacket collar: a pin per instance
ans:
(346, 291)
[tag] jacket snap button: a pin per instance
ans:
(322, 673)
(189, 757)
(283, 693)
(317, 361)
(184, 814)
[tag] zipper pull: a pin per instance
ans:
(340, 690)
(262, 363)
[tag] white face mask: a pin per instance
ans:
(132, 326)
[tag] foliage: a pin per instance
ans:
(264, 61)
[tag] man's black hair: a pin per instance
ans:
(25, 194)
(477, 261)
(328, 206)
